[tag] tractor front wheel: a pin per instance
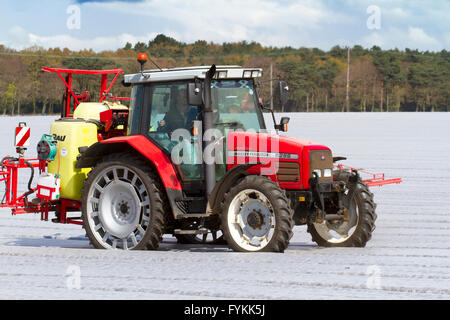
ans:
(122, 205)
(256, 216)
(357, 230)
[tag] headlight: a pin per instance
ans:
(327, 173)
(319, 172)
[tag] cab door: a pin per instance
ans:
(168, 117)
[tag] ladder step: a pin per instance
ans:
(200, 231)
(194, 199)
(192, 215)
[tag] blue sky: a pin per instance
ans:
(108, 25)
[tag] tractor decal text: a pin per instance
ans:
(271, 155)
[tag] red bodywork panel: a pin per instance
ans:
(245, 147)
(265, 150)
(161, 161)
(241, 142)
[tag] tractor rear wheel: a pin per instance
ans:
(256, 216)
(355, 232)
(122, 205)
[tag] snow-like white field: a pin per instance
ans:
(407, 258)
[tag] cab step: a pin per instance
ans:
(199, 231)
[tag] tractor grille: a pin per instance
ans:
(288, 172)
(320, 160)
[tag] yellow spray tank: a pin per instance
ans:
(71, 134)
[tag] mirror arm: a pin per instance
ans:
(273, 115)
(258, 84)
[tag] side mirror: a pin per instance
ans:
(283, 92)
(195, 94)
(283, 126)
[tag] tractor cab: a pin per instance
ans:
(169, 105)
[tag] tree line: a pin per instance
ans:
(380, 80)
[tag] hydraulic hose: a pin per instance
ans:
(30, 181)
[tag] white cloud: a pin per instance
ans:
(16, 37)
(413, 38)
(420, 39)
(310, 23)
(267, 22)
(233, 20)
(21, 39)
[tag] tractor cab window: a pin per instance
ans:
(170, 111)
(235, 105)
(134, 117)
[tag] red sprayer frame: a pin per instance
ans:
(373, 180)
(19, 204)
(9, 175)
(67, 80)
(9, 169)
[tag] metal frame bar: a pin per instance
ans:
(377, 179)
(18, 205)
(104, 88)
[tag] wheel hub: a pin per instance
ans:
(255, 219)
(119, 209)
(124, 208)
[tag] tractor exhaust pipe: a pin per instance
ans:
(208, 123)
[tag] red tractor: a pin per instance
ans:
(195, 159)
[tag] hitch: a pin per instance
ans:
(339, 188)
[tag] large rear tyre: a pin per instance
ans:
(256, 216)
(122, 205)
(355, 232)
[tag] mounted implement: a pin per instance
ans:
(82, 123)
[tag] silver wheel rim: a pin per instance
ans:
(251, 220)
(339, 232)
(118, 208)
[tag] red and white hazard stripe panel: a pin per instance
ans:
(22, 137)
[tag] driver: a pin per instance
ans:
(247, 104)
(180, 116)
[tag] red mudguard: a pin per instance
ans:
(149, 150)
